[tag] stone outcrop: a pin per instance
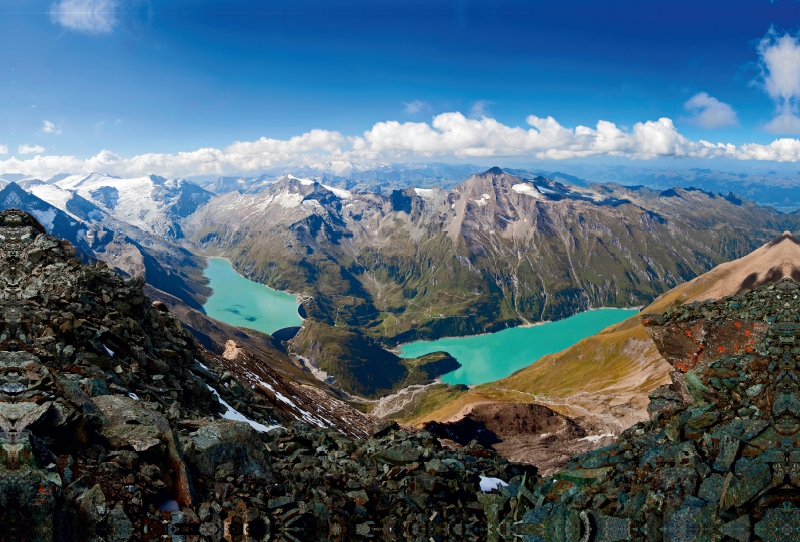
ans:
(720, 457)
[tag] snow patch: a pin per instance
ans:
(341, 193)
(233, 414)
(307, 416)
(110, 352)
(285, 199)
(133, 396)
(483, 201)
(489, 484)
(424, 191)
(527, 189)
(279, 395)
(311, 203)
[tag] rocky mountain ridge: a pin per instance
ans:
(494, 251)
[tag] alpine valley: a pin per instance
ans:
(375, 263)
(378, 262)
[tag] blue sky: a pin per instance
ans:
(149, 80)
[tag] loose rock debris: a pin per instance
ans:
(111, 429)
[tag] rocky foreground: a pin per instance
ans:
(720, 457)
(117, 426)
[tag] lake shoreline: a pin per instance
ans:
(241, 302)
(489, 357)
(300, 297)
(397, 349)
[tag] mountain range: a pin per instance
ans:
(378, 269)
(495, 251)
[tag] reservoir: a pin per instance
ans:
(241, 302)
(485, 358)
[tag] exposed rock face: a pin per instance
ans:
(720, 457)
(110, 429)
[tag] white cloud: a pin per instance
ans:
(780, 70)
(710, 113)
(313, 140)
(449, 135)
(417, 106)
(454, 134)
(30, 149)
(3, 149)
(85, 16)
(480, 109)
(50, 128)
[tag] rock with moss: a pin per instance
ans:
(718, 459)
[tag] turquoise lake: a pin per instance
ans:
(243, 303)
(485, 358)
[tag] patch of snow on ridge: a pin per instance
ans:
(287, 200)
(343, 194)
(483, 201)
(527, 189)
(307, 416)
(489, 484)
(278, 394)
(304, 182)
(235, 415)
(423, 191)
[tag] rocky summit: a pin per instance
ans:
(116, 425)
(719, 458)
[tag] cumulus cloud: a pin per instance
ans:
(454, 134)
(780, 72)
(710, 113)
(30, 149)
(50, 128)
(415, 107)
(449, 135)
(85, 16)
(3, 149)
